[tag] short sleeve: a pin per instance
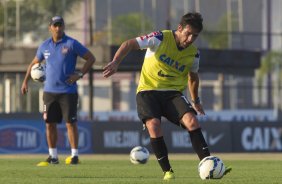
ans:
(196, 63)
(39, 53)
(79, 48)
(151, 41)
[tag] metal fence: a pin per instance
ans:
(228, 24)
(118, 93)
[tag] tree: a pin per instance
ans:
(34, 14)
(129, 26)
(270, 69)
(271, 63)
(217, 39)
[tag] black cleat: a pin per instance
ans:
(72, 160)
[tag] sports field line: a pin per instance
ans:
(189, 156)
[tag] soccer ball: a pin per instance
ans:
(211, 167)
(37, 72)
(139, 155)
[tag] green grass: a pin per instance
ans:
(117, 169)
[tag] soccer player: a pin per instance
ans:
(171, 62)
(60, 96)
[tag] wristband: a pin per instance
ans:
(80, 74)
(196, 101)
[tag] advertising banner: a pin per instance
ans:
(28, 136)
(257, 137)
(118, 137)
(217, 136)
(121, 137)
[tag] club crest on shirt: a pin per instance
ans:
(65, 50)
(156, 33)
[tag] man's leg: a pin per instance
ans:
(197, 139)
(52, 116)
(51, 136)
(148, 106)
(159, 146)
(68, 103)
(72, 134)
(72, 131)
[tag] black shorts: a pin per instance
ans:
(170, 104)
(58, 106)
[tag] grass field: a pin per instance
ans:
(116, 169)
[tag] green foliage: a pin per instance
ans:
(34, 14)
(129, 26)
(217, 39)
(271, 62)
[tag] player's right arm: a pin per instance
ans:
(150, 41)
(123, 50)
(24, 88)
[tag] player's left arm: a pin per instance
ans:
(193, 84)
(87, 55)
(90, 60)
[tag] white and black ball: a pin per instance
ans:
(37, 72)
(139, 155)
(211, 167)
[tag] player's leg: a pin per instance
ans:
(198, 141)
(68, 103)
(52, 115)
(158, 143)
(179, 110)
(159, 147)
(72, 132)
(149, 112)
(52, 137)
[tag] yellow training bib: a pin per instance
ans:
(168, 67)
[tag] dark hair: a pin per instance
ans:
(193, 19)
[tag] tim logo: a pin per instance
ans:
(84, 141)
(19, 139)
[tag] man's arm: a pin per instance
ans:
(24, 88)
(123, 50)
(193, 84)
(90, 60)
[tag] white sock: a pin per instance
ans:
(53, 152)
(74, 152)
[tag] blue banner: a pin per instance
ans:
(28, 136)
